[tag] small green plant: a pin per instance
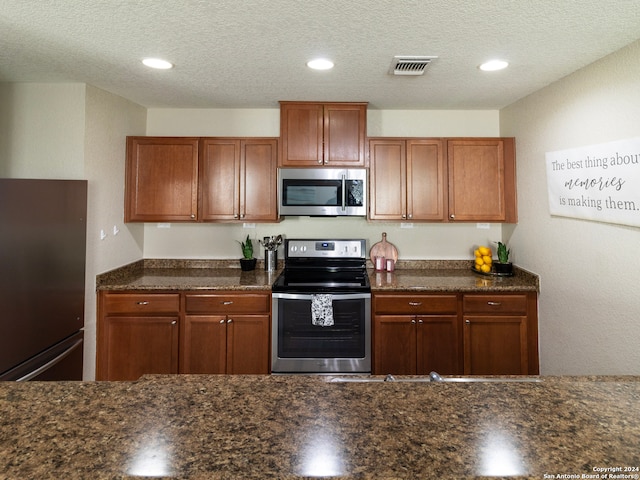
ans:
(503, 253)
(247, 248)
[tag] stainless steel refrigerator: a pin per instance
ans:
(42, 278)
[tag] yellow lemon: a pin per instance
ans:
(479, 261)
(486, 259)
(477, 253)
(484, 251)
(485, 268)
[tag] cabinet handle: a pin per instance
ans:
(142, 303)
(410, 216)
(222, 321)
(415, 304)
(174, 322)
(403, 216)
(320, 161)
(230, 320)
(193, 215)
(227, 302)
(494, 304)
(413, 320)
(467, 322)
(452, 216)
(420, 321)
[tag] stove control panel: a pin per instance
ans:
(302, 248)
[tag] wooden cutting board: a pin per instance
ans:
(383, 249)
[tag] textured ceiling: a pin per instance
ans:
(252, 53)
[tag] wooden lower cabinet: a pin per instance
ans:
(500, 334)
(225, 344)
(137, 335)
(455, 334)
(226, 332)
(184, 332)
(495, 345)
(416, 334)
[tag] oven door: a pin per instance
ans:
(299, 346)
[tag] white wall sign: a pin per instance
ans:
(597, 182)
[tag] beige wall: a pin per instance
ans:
(42, 130)
(430, 241)
(589, 305)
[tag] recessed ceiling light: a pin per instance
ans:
(320, 64)
(157, 63)
(493, 65)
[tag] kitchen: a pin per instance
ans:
(587, 269)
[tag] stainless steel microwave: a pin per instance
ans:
(322, 192)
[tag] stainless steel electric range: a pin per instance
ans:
(322, 308)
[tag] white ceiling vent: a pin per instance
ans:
(409, 64)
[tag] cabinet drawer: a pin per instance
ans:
(495, 304)
(399, 304)
(141, 303)
(228, 303)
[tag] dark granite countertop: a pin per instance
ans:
(286, 427)
(152, 274)
(449, 276)
(418, 275)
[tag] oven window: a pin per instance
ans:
(312, 192)
(299, 338)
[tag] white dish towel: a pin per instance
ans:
(322, 310)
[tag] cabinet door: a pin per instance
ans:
(425, 180)
(248, 344)
(134, 346)
(220, 179)
(203, 344)
(387, 179)
(258, 180)
(438, 345)
(345, 127)
(161, 181)
(394, 345)
(301, 134)
(495, 345)
(482, 180)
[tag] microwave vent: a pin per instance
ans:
(410, 65)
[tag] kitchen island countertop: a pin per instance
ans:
(417, 275)
(287, 427)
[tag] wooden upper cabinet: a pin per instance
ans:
(407, 178)
(238, 179)
(315, 134)
(258, 180)
(482, 180)
(161, 182)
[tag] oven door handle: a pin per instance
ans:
(309, 296)
(344, 192)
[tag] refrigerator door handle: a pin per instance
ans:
(50, 363)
